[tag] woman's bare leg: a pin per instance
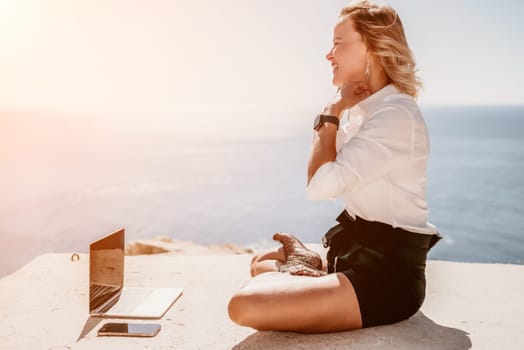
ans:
(285, 302)
(267, 261)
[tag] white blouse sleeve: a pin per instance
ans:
(383, 143)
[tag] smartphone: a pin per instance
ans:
(129, 329)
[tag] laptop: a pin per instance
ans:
(107, 295)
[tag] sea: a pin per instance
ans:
(238, 178)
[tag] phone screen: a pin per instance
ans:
(130, 329)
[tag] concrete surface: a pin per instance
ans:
(44, 305)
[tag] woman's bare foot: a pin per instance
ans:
(299, 259)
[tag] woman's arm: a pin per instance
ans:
(324, 145)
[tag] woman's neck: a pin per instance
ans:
(377, 80)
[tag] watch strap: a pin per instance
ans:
(324, 118)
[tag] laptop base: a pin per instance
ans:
(142, 302)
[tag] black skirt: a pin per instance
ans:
(386, 266)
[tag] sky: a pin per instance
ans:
(151, 57)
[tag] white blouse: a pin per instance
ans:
(380, 167)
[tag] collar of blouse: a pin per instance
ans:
(367, 106)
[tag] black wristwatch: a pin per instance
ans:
(323, 118)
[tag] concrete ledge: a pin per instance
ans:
(44, 305)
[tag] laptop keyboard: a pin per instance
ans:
(99, 293)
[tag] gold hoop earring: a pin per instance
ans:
(367, 71)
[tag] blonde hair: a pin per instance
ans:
(383, 34)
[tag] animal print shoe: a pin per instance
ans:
(299, 259)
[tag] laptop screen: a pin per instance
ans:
(106, 271)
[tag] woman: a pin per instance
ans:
(374, 273)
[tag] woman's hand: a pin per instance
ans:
(350, 94)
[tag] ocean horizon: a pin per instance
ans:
(67, 181)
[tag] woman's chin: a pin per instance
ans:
(337, 82)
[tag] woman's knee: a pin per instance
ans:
(244, 308)
(236, 308)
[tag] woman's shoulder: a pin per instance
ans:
(399, 106)
(398, 117)
(401, 100)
